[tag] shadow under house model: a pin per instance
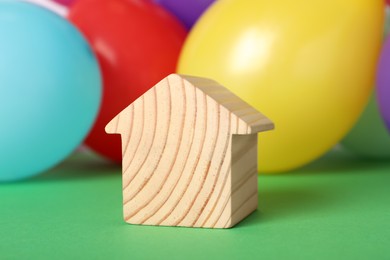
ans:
(189, 150)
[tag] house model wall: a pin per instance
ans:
(189, 155)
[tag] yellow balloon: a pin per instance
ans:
(309, 65)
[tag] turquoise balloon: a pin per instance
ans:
(50, 89)
(369, 138)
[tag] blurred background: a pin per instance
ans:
(316, 74)
(318, 69)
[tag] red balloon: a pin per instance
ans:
(137, 44)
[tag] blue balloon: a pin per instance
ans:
(50, 89)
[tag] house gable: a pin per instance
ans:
(250, 120)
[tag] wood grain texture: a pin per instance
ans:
(189, 155)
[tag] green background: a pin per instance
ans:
(335, 208)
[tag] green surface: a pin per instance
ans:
(336, 208)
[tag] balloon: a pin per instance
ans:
(50, 89)
(383, 82)
(137, 44)
(65, 2)
(52, 6)
(369, 137)
(188, 11)
(307, 65)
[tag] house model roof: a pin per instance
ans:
(252, 121)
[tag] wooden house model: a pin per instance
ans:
(189, 150)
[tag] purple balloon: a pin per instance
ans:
(65, 2)
(383, 82)
(188, 11)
